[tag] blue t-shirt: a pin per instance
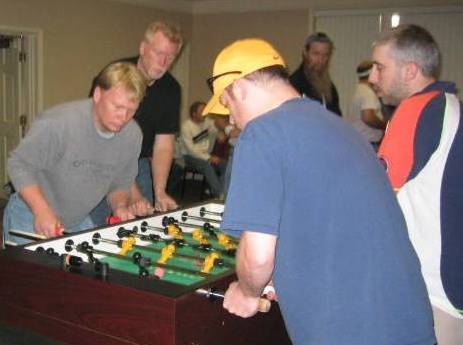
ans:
(345, 270)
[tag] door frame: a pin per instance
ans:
(31, 74)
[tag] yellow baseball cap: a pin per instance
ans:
(235, 61)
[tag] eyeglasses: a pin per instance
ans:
(210, 81)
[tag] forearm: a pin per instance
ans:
(138, 205)
(46, 222)
(135, 193)
(35, 199)
(118, 199)
(163, 153)
(370, 119)
(255, 262)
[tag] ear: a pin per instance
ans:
(141, 48)
(240, 89)
(411, 71)
(96, 94)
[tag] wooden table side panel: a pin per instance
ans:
(118, 311)
(201, 321)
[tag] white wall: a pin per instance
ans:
(353, 32)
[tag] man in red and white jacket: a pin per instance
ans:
(423, 153)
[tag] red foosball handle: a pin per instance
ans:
(58, 230)
(111, 220)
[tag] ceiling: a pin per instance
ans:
(215, 6)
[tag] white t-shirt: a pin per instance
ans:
(197, 139)
(365, 98)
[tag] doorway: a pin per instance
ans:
(20, 97)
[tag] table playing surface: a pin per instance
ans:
(185, 257)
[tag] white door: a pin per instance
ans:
(352, 36)
(10, 96)
(353, 33)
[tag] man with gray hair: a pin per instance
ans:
(158, 116)
(423, 152)
(312, 78)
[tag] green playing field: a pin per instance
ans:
(184, 267)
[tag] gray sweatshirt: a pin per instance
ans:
(74, 165)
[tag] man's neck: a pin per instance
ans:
(277, 96)
(99, 128)
(420, 85)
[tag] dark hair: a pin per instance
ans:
(274, 72)
(317, 37)
(194, 107)
(363, 69)
(413, 43)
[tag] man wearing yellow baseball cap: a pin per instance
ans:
(315, 213)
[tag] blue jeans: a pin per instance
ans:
(145, 179)
(145, 184)
(214, 174)
(18, 216)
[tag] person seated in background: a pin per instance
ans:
(198, 135)
(365, 109)
(221, 146)
(231, 133)
(177, 169)
(74, 155)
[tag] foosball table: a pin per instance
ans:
(156, 280)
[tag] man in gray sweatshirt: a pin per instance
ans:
(76, 154)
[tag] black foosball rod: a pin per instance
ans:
(88, 250)
(170, 229)
(178, 234)
(178, 241)
(172, 221)
(186, 216)
(170, 250)
(212, 294)
(223, 239)
(207, 227)
(136, 258)
(73, 261)
(226, 241)
(67, 260)
(203, 211)
(197, 235)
